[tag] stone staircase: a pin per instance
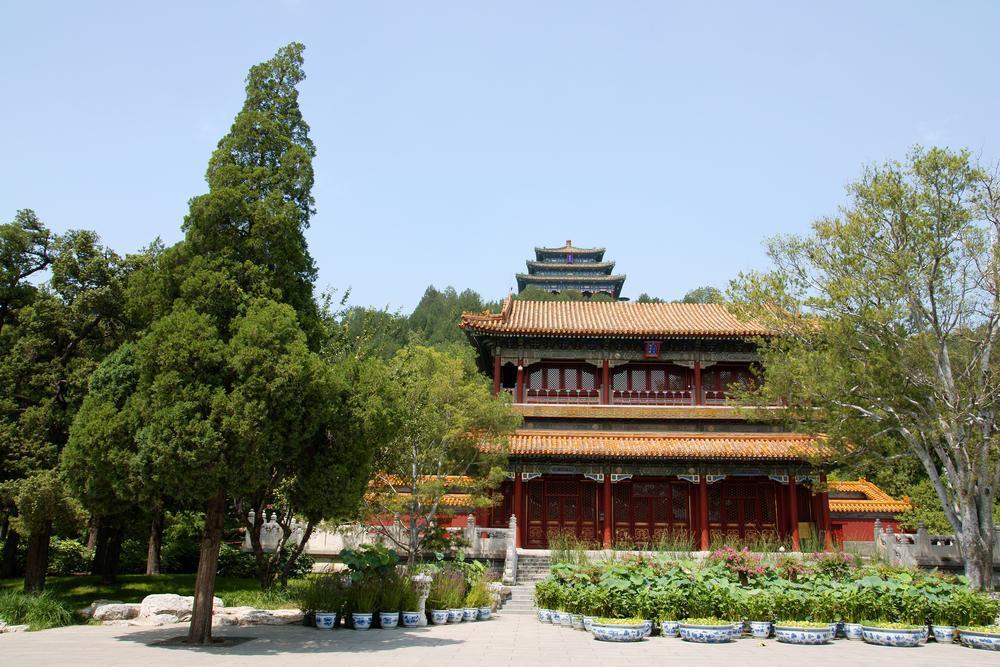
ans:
(531, 569)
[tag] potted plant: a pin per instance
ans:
(438, 598)
(479, 600)
(884, 633)
(668, 609)
(853, 610)
(803, 632)
(759, 608)
(455, 595)
(393, 587)
(410, 600)
(322, 597)
(706, 630)
(364, 596)
(980, 636)
(543, 600)
(618, 629)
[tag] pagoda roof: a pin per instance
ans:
(874, 500)
(569, 248)
(616, 319)
(605, 267)
(527, 443)
(589, 279)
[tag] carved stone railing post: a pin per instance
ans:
(470, 534)
(510, 555)
(922, 541)
(423, 584)
(247, 544)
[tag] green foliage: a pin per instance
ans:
(39, 612)
(478, 595)
(68, 556)
(704, 295)
(363, 596)
(323, 592)
(447, 590)
(533, 293)
(370, 561)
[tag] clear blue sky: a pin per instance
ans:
(453, 137)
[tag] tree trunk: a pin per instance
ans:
(8, 563)
(977, 552)
(92, 526)
(99, 530)
(38, 560)
(155, 542)
(294, 554)
(208, 561)
(107, 552)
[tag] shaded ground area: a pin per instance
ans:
(508, 640)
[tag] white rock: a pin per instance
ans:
(118, 621)
(116, 612)
(225, 619)
(270, 617)
(15, 628)
(180, 606)
(88, 612)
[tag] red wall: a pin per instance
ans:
(858, 530)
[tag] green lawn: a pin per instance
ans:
(80, 591)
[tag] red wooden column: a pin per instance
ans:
(518, 507)
(703, 512)
(496, 374)
(793, 512)
(697, 383)
(825, 514)
(608, 517)
(519, 390)
(605, 383)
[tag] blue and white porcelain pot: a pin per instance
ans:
(576, 620)
(760, 629)
(985, 640)
(411, 619)
(544, 615)
(439, 616)
(361, 621)
(670, 628)
(470, 614)
(943, 634)
(893, 636)
(561, 618)
(326, 620)
(455, 615)
(707, 634)
(647, 628)
(485, 613)
(853, 631)
(617, 633)
(790, 634)
(737, 629)
(587, 622)
(388, 620)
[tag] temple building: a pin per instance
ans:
(629, 431)
(856, 505)
(571, 268)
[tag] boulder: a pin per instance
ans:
(156, 620)
(14, 628)
(117, 622)
(88, 612)
(116, 612)
(180, 606)
(270, 617)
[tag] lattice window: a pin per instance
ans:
(588, 511)
(561, 488)
(551, 378)
(551, 508)
(661, 510)
(619, 381)
(750, 508)
(767, 504)
(679, 502)
(588, 379)
(569, 507)
(742, 491)
(715, 503)
(621, 501)
(658, 379)
(729, 510)
(639, 377)
(710, 380)
(640, 510)
(535, 378)
(535, 501)
(650, 489)
(678, 380)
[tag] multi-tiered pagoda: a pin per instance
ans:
(571, 268)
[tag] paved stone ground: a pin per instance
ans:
(506, 640)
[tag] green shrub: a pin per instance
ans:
(478, 595)
(68, 556)
(37, 611)
(323, 592)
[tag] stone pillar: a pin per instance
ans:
(608, 508)
(703, 535)
(423, 586)
(470, 533)
(793, 512)
(510, 555)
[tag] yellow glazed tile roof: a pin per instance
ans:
(610, 319)
(724, 446)
(876, 500)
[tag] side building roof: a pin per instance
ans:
(611, 320)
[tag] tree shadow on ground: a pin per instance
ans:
(284, 639)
